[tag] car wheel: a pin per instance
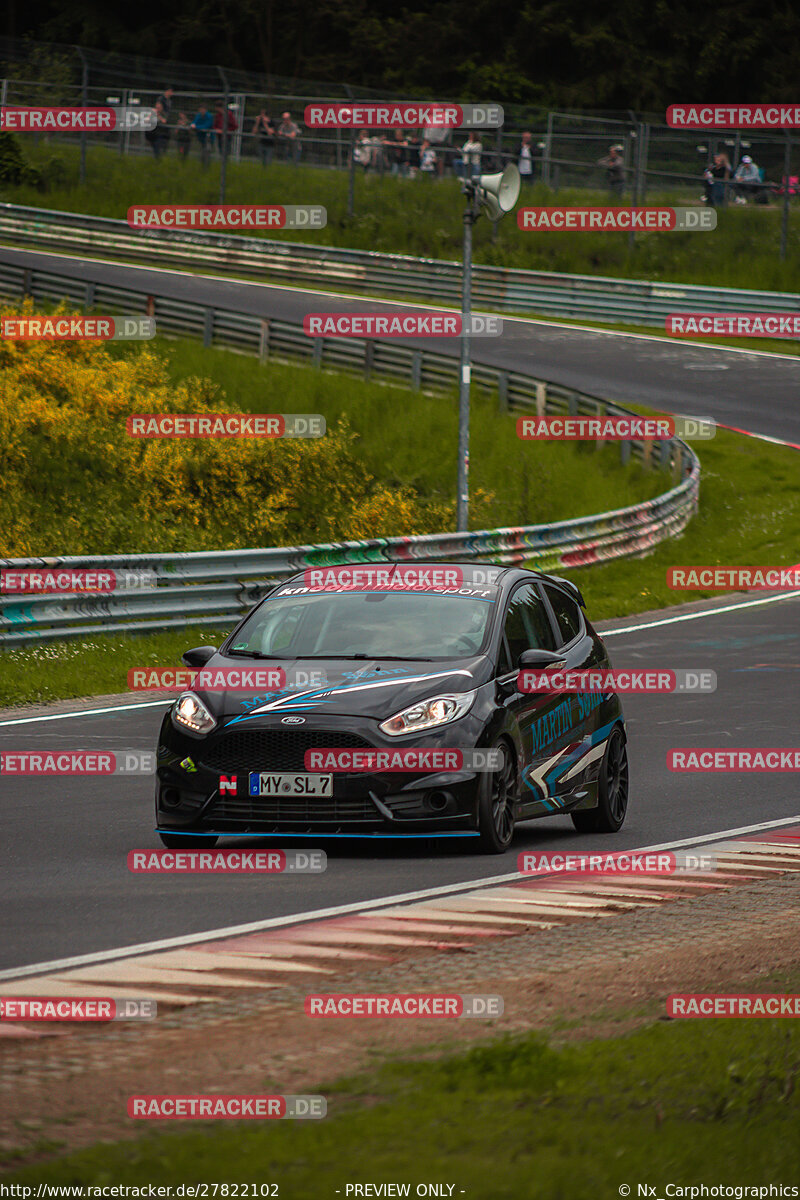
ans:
(496, 796)
(180, 841)
(612, 790)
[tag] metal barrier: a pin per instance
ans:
(218, 588)
(494, 288)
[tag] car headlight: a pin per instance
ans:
(190, 713)
(429, 714)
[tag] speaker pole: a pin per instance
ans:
(497, 194)
(462, 503)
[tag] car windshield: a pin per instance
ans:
(372, 624)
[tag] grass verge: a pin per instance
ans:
(92, 667)
(690, 1102)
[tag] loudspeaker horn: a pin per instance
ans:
(499, 193)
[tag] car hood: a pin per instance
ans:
(376, 688)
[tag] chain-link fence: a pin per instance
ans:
(567, 149)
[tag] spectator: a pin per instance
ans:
(747, 178)
(436, 136)
(716, 178)
(412, 153)
(471, 156)
(428, 160)
(525, 158)
(202, 124)
(182, 135)
(159, 135)
(395, 152)
(265, 130)
(615, 170)
(289, 136)
(231, 124)
(165, 100)
(362, 151)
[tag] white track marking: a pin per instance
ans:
(696, 616)
(86, 712)
(340, 910)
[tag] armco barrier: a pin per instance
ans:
(501, 289)
(216, 588)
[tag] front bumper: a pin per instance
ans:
(202, 784)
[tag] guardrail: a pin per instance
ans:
(217, 588)
(502, 289)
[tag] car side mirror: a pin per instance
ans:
(199, 656)
(541, 660)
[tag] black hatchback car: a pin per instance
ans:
(386, 658)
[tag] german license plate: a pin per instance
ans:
(262, 784)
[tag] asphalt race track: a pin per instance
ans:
(757, 392)
(64, 884)
(65, 888)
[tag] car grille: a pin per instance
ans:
(293, 810)
(273, 749)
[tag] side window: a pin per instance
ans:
(566, 612)
(527, 626)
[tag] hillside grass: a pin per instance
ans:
(423, 217)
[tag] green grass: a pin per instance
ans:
(408, 438)
(749, 514)
(98, 667)
(422, 217)
(691, 1102)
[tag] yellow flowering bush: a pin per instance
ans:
(74, 482)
